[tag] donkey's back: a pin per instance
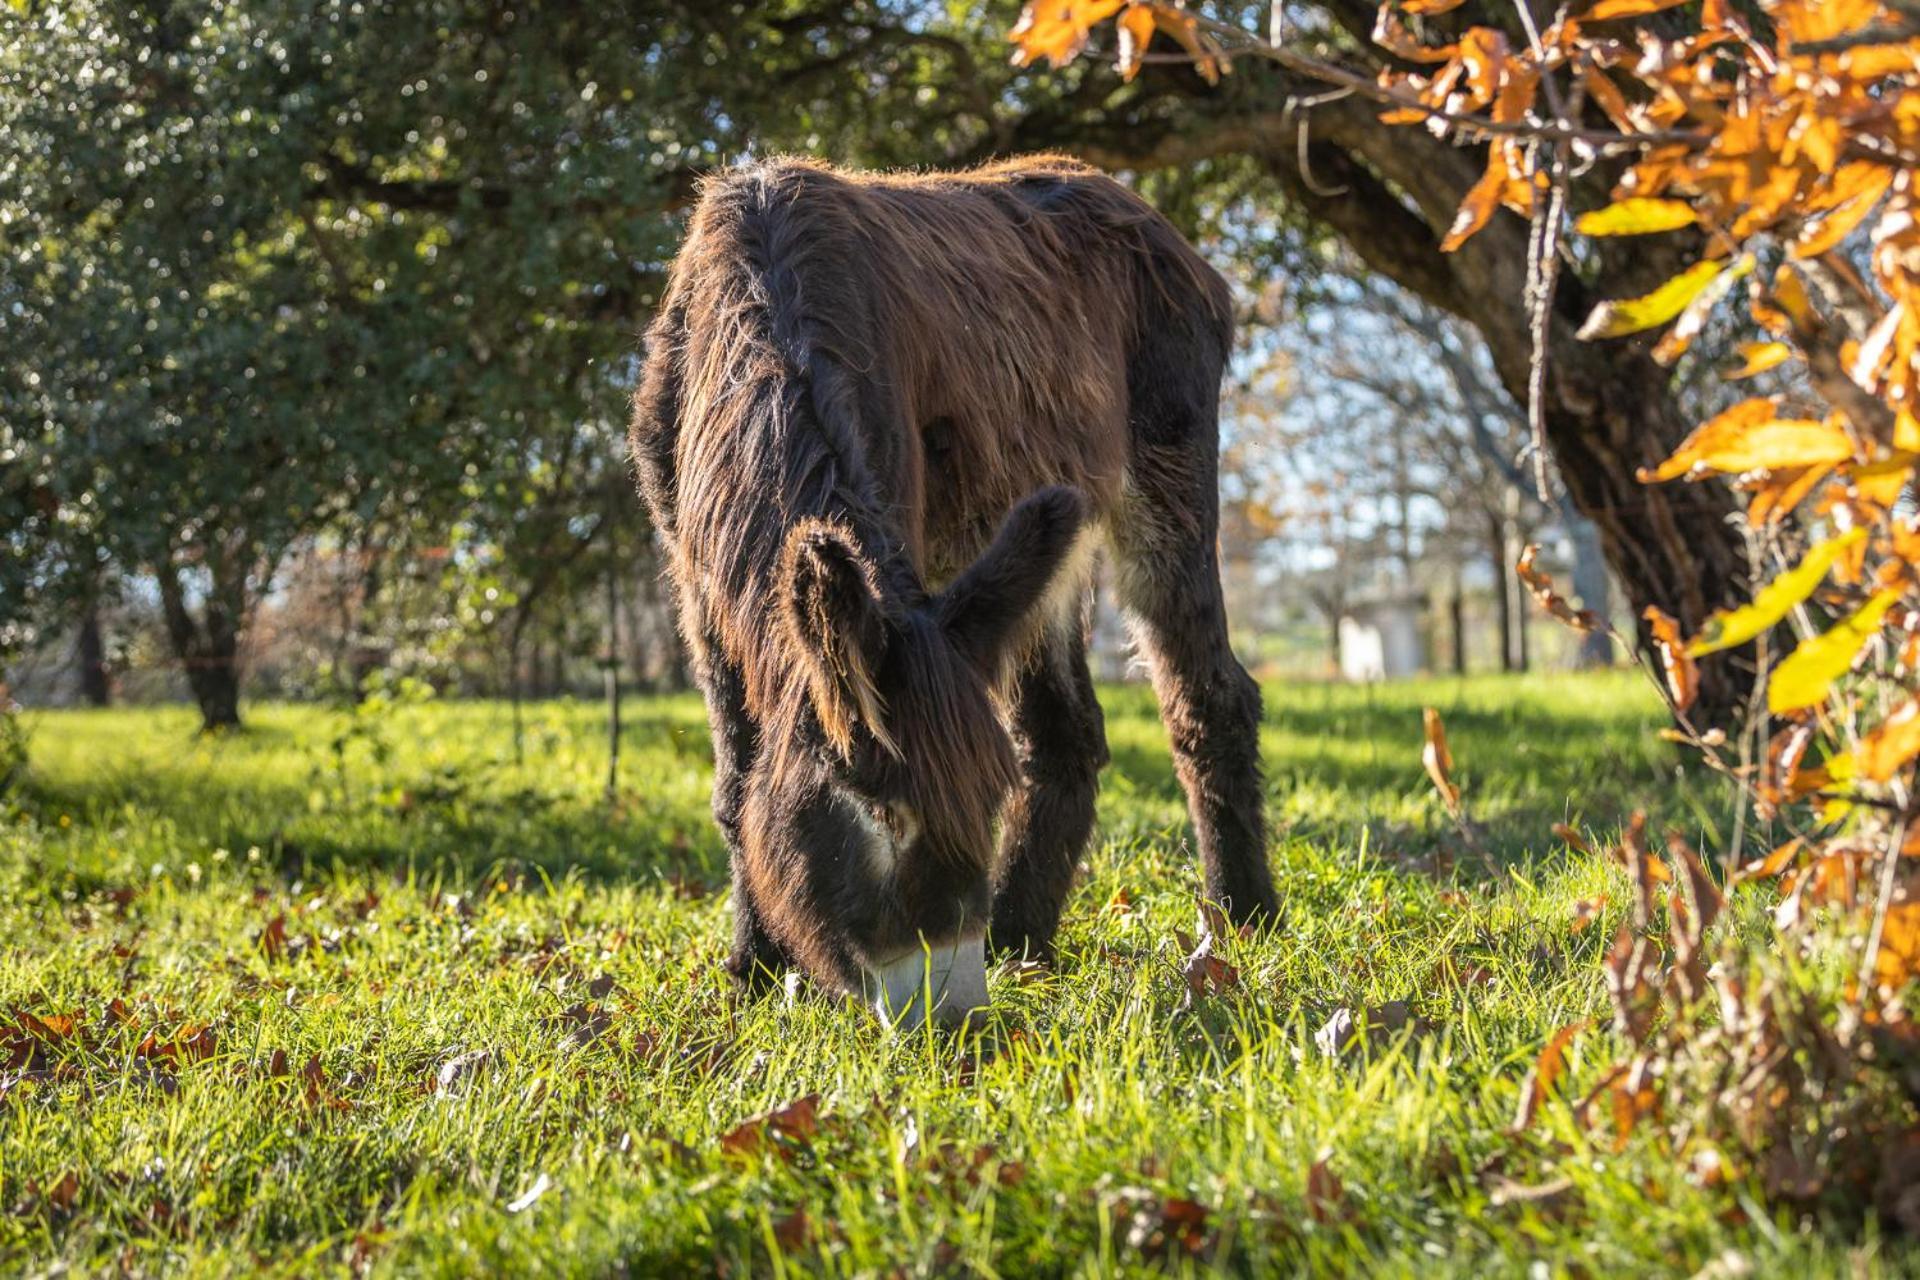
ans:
(983, 332)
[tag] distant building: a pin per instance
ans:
(1382, 638)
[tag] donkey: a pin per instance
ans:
(884, 420)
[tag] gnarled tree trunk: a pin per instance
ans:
(208, 646)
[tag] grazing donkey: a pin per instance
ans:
(851, 381)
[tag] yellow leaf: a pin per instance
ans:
(1631, 315)
(1906, 432)
(1693, 317)
(1748, 437)
(1771, 603)
(1760, 357)
(1810, 670)
(1638, 216)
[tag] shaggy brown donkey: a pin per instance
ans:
(852, 381)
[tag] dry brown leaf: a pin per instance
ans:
(782, 1128)
(1541, 587)
(1439, 760)
(1683, 676)
(1544, 1075)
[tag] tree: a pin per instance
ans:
(1392, 194)
(357, 314)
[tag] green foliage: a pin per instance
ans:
(460, 1018)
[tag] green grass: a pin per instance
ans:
(442, 905)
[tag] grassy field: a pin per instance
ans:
(362, 993)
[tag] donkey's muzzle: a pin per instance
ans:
(947, 980)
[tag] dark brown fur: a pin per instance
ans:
(854, 381)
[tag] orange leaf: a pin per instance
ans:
(1480, 202)
(1898, 960)
(1829, 231)
(1544, 1075)
(1772, 865)
(1606, 10)
(1057, 29)
(1552, 601)
(1209, 59)
(1136, 33)
(1586, 911)
(1683, 677)
(1891, 744)
(1439, 761)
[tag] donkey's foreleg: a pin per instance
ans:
(756, 961)
(1063, 745)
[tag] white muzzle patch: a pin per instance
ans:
(947, 980)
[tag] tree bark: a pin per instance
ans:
(208, 647)
(1457, 612)
(1591, 585)
(1502, 592)
(90, 651)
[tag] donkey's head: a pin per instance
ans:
(911, 762)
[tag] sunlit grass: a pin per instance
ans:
(492, 985)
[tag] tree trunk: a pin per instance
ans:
(96, 684)
(1591, 585)
(1502, 593)
(208, 647)
(613, 668)
(1457, 612)
(1672, 546)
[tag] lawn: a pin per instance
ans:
(364, 993)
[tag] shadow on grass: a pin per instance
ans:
(1342, 764)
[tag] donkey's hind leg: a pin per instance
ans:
(1169, 579)
(1063, 744)
(756, 961)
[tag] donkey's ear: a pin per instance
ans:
(831, 598)
(990, 605)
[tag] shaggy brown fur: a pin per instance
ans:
(853, 381)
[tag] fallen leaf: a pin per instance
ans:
(788, 1125)
(1544, 1075)
(1326, 1194)
(1439, 760)
(793, 1231)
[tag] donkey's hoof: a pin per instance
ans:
(948, 979)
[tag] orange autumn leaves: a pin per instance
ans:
(1058, 30)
